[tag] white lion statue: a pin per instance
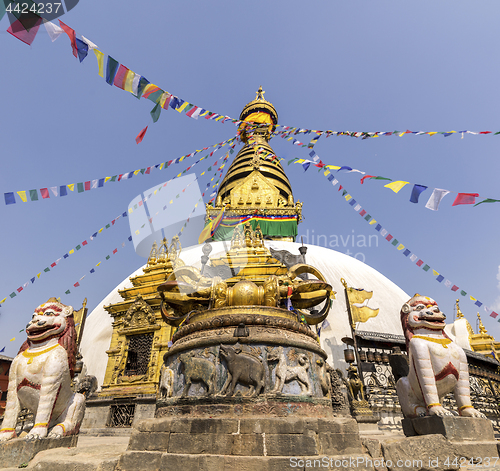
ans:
(438, 365)
(40, 376)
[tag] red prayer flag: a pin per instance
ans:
(148, 170)
(76, 285)
(72, 37)
(26, 31)
(19, 289)
(465, 198)
(116, 250)
(84, 242)
(45, 193)
(87, 186)
(120, 76)
(362, 213)
(139, 139)
(454, 288)
(152, 90)
(420, 263)
(53, 264)
(191, 111)
(365, 177)
(493, 314)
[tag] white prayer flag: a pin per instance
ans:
(435, 199)
(53, 30)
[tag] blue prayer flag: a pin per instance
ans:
(111, 69)
(440, 278)
(63, 190)
(10, 198)
(83, 49)
(415, 193)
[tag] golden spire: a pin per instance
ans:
(459, 312)
(482, 328)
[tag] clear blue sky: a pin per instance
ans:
(338, 65)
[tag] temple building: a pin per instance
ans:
(126, 336)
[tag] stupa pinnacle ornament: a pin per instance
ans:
(256, 188)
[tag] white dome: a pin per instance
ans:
(333, 265)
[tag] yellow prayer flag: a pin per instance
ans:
(372, 222)
(171, 201)
(179, 174)
(401, 247)
(473, 299)
(182, 107)
(3, 300)
(348, 197)
(106, 179)
(72, 251)
(432, 133)
(71, 186)
(98, 264)
(182, 158)
(130, 210)
(12, 339)
(202, 174)
(155, 192)
(435, 273)
(38, 276)
(358, 296)
(332, 167)
(129, 82)
(100, 61)
(326, 172)
(362, 314)
(137, 231)
(396, 186)
(136, 171)
(161, 165)
(22, 194)
(100, 230)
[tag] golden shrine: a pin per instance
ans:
(140, 338)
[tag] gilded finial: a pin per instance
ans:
(459, 312)
(482, 328)
(260, 94)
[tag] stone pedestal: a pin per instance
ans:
(472, 436)
(239, 443)
(18, 451)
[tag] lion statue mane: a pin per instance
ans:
(40, 376)
(437, 365)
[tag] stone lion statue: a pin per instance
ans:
(40, 376)
(437, 365)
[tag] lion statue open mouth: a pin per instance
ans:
(438, 365)
(40, 376)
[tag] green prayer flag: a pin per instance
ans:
(67, 292)
(143, 170)
(382, 178)
(78, 247)
(33, 195)
(113, 179)
(135, 206)
(426, 267)
(290, 161)
(80, 187)
(209, 169)
(107, 257)
(395, 242)
(12, 295)
(155, 112)
(367, 217)
(108, 226)
(463, 293)
(488, 200)
(46, 269)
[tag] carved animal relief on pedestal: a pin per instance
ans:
(40, 376)
(286, 373)
(438, 365)
(197, 370)
(243, 368)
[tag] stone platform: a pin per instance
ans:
(20, 451)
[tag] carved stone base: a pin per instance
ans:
(270, 405)
(232, 443)
(452, 428)
(18, 451)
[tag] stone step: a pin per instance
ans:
(153, 461)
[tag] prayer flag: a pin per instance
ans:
(45, 193)
(33, 195)
(53, 30)
(82, 49)
(100, 61)
(155, 112)
(26, 29)
(362, 314)
(396, 186)
(465, 198)
(436, 197)
(122, 75)
(415, 193)
(487, 200)
(22, 195)
(72, 37)
(140, 137)
(9, 198)
(111, 69)
(89, 43)
(358, 296)
(139, 86)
